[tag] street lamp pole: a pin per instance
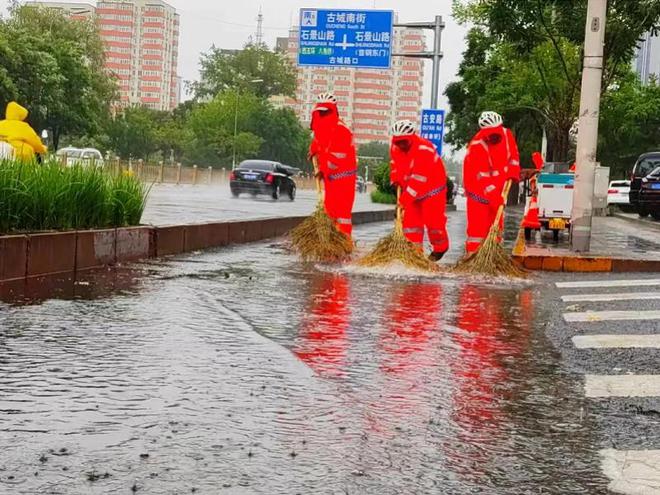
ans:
(587, 145)
(238, 96)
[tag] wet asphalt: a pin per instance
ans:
(241, 371)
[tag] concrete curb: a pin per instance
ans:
(539, 259)
(43, 254)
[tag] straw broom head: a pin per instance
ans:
(396, 248)
(317, 239)
(492, 259)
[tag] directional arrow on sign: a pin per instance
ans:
(345, 44)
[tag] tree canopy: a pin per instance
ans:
(54, 66)
(223, 70)
(523, 59)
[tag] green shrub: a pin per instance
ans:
(37, 197)
(381, 197)
(382, 179)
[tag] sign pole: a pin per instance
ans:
(437, 57)
(587, 146)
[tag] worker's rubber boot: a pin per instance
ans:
(437, 256)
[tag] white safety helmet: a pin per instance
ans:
(326, 98)
(403, 128)
(490, 120)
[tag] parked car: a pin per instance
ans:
(645, 165)
(649, 194)
(84, 156)
(619, 194)
(263, 177)
(361, 185)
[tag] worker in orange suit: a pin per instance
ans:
(419, 172)
(492, 160)
(322, 343)
(336, 156)
(18, 134)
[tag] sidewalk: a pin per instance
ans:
(618, 245)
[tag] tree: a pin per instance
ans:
(133, 134)
(375, 149)
(223, 70)
(284, 139)
(630, 124)
(54, 66)
(524, 59)
(211, 129)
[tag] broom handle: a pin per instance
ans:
(505, 197)
(399, 219)
(319, 189)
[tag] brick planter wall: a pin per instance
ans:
(35, 256)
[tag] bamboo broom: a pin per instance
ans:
(317, 238)
(491, 258)
(395, 247)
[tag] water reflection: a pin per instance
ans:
(88, 286)
(322, 342)
(492, 334)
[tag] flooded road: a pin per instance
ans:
(241, 371)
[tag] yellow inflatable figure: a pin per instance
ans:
(18, 133)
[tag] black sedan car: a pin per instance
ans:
(649, 194)
(263, 177)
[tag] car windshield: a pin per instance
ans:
(655, 173)
(70, 153)
(647, 166)
(267, 166)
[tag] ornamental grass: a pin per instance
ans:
(45, 197)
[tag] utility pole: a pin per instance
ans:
(260, 28)
(587, 144)
(437, 26)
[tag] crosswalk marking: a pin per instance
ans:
(602, 386)
(631, 296)
(617, 341)
(593, 316)
(647, 282)
(633, 472)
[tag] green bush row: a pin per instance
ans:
(36, 197)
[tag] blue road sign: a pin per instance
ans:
(346, 38)
(433, 127)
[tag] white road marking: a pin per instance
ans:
(601, 386)
(631, 296)
(617, 341)
(632, 472)
(648, 282)
(593, 316)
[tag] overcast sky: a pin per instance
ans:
(229, 24)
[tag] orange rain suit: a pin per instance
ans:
(421, 175)
(337, 158)
(491, 161)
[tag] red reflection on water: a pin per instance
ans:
(410, 356)
(322, 341)
(411, 320)
(494, 331)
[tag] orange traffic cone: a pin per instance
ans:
(531, 220)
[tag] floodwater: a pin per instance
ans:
(240, 371)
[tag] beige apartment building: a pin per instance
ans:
(141, 39)
(370, 100)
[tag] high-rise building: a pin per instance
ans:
(370, 100)
(141, 39)
(75, 10)
(647, 61)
